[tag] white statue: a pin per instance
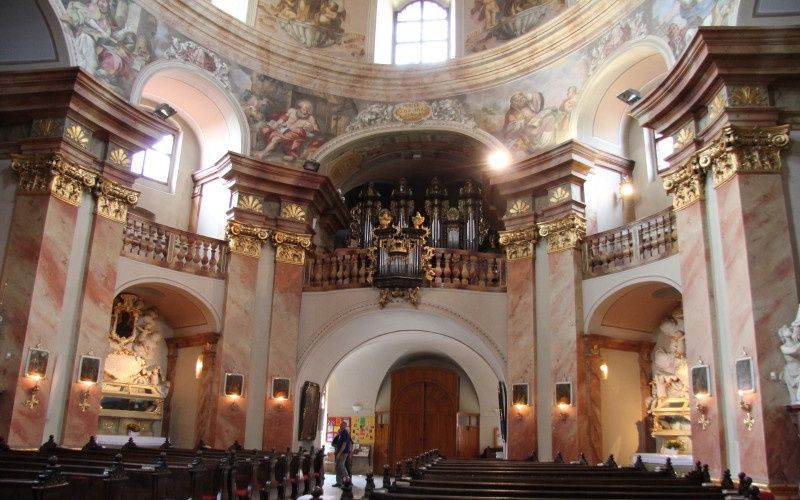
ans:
(669, 365)
(790, 347)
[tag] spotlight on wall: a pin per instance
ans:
(311, 165)
(164, 111)
(198, 367)
(498, 160)
(629, 96)
(626, 187)
(603, 369)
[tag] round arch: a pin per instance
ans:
(211, 109)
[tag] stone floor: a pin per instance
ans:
(331, 493)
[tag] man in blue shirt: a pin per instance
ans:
(343, 446)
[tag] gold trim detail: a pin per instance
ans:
(245, 239)
(683, 137)
(749, 96)
(47, 127)
(717, 105)
(685, 184)
(519, 207)
(250, 202)
(745, 151)
(559, 195)
(386, 295)
(519, 243)
(293, 211)
(120, 158)
(564, 233)
(78, 135)
(290, 248)
(114, 200)
(52, 174)
(411, 112)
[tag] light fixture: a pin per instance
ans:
(519, 398)
(498, 160)
(702, 409)
(747, 408)
(563, 399)
(603, 369)
(629, 96)
(563, 410)
(198, 366)
(357, 407)
(626, 187)
(164, 111)
(311, 165)
(88, 376)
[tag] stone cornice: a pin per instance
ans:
(564, 233)
(519, 243)
(245, 239)
(287, 61)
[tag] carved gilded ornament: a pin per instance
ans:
(52, 174)
(78, 135)
(119, 157)
(47, 127)
(685, 184)
(747, 95)
(387, 295)
(293, 211)
(245, 239)
(412, 111)
(559, 195)
(745, 151)
(717, 105)
(519, 243)
(251, 203)
(114, 200)
(683, 137)
(564, 233)
(519, 207)
(290, 248)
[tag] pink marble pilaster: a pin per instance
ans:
(593, 400)
(282, 358)
(761, 291)
(207, 392)
(708, 445)
(521, 337)
(35, 270)
(570, 433)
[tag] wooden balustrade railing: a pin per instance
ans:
(634, 244)
(348, 268)
(146, 241)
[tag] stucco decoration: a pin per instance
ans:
(789, 336)
(500, 20)
(441, 110)
(189, 52)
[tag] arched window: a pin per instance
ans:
(421, 33)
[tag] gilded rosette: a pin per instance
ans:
(52, 174)
(245, 239)
(114, 200)
(519, 243)
(290, 248)
(564, 233)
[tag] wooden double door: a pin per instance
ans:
(424, 407)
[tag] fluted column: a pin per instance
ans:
(570, 424)
(519, 245)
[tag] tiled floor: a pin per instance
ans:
(331, 493)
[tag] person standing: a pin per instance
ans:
(343, 446)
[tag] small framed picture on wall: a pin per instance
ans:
(89, 370)
(701, 381)
(234, 384)
(36, 367)
(745, 375)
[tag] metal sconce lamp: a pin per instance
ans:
(234, 388)
(626, 189)
(701, 389)
(747, 408)
(164, 111)
(280, 390)
(745, 385)
(88, 376)
(563, 399)
(519, 398)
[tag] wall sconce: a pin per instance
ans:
(747, 408)
(36, 370)
(626, 189)
(603, 369)
(198, 367)
(701, 388)
(745, 384)
(563, 399)
(280, 390)
(234, 388)
(563, 410)
(519, 398)
(702, 409)
(88, 376)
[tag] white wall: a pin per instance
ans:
(621, 405)
(650, 196)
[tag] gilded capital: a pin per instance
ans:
(519, 243)
(290, 248)
(686, 183)
(245, 239)
(741, 150)
(52, 174)
(564, 233)
(114, 200)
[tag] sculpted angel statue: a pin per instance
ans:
(790, 348)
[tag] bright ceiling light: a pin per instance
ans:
(499, 160)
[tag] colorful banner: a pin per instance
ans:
(332, 427)
(363, 429)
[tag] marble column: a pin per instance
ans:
(227, 424)
(35, 269)
(83, 401)
(279, 418)
(206, 396)
(519, 245)
(594, 400)
(760, 282)
(686, 185)
(172, 365)
(570, 424)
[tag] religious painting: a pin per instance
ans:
(332, 427)
(280, 388)
(701, 381)
(363, 429)
(500, 20)
(309, 412)
(745, 377)
(89, 369)
(519, 394)
(502, 399)
(234, 384)
(563, 393)
(36, 367)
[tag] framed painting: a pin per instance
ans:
(309, 412)
(36, 366)
(234, 384)
(519, 394)
(280, 388)
(745, 375)
(701, 381)
(89, 370)
(563, 393)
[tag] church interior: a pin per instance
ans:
(528, 230)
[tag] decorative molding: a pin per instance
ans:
(717, 104)
(564, 233)
(114, 200)
(77, 134)
(119, 158)
(745, 151)
(519, 207)
(746, 95)
(290, 248)
(387, 295)
(685, 184)
(47, 127)
(250, 202)
(52, 174)
(245, 239)
(519, 243)
(558, 195)
(293, 211)
(683, 137)
(412, 111)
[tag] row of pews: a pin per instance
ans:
(430, 476)
(133, 472)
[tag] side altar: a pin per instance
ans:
(133, 388)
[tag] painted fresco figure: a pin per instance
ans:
(487, 11)
(528, 125)
(292, 130)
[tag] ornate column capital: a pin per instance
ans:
(745, 150)
(563, 233)
(114, 200)
(686, 183)
(290, 248)
(51, 174)
(519, 243)
(245, 239)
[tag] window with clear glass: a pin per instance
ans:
(421, 33)
(155, 163)
(665, 146)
